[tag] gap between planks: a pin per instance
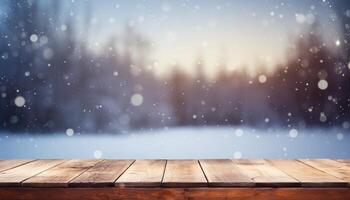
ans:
(177, 173)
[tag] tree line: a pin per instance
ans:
(63, 84)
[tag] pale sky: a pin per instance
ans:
(235, 32)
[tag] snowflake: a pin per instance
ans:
(322, 84)
(34, 38)
(293, 133)
(136, 99)
(20, 101)
(262, 78)
(323, 117)
(70, 132)
(337, 43)
(97, 154)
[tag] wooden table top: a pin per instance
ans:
(175, 173)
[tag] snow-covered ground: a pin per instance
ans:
(182, 143)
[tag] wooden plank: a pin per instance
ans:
(265, 175)
(60, 175)
(9, 164)
(332, 167)
(175, 193)
(142, 173)
(223, 173)
(308, 176)
(102, 174)
(14, 177)
(184, 173)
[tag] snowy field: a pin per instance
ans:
(182, 143)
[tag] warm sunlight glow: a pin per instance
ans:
(231, 35)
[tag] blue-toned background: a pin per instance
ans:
(174, 79)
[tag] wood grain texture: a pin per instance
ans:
(15, 176)
(223, 173)
(264, 174)
(142, 173)
(9, 164)
(60, 175)
(183, 173)
(307, 175)
(174, 193)
(102, 174)
(332, 167)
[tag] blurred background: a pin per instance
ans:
(76, 67)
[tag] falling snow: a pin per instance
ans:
(136, 99)
(98, 154)
(20, 101)
(70, 132)
(293, 133)
(323, 117)
(34, 38)
(78, 71)
(322, 84)
(262, 78)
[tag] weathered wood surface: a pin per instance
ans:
(183, 173)
(332, 167)
(60, 175)
(224, 173)
(321, 179)
(264, 174)
(102, 174)
(15, 176)
(8, 164)
(307, 175)
(175, 173)
(143, 173)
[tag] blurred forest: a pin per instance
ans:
(51, 81)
